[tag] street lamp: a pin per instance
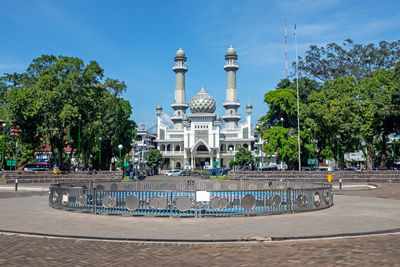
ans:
(230, 154)
(120, 149)
(100, 152)
(309, 150)
(79, 138)
(337, 148)
(120, 160)
(2, 155)
(282, 145)
(394, 150)
(363, 145)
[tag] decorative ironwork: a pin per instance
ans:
(248, 202)
(132, 202)
(179, 197)
(183, 203)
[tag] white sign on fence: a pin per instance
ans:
(202, 196)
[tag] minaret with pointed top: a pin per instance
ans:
(179, 105)
(231, 103)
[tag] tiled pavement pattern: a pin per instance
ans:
(361, 251)
(378, 250)
(387, 190)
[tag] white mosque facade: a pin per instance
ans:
(201, 139)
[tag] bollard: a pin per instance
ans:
(16, 184)
(340, 184)
(329, 178)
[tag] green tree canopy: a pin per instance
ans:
(349, 59)
(244, 157)
(64, 101)
(154, 158)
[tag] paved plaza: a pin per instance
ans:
(376, 211)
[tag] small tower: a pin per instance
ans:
(179, 105)
(231, 103)
(249, 110)
(159, 113)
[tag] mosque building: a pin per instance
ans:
(202, 139)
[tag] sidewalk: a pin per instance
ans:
(349, 215)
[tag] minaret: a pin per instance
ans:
(231, 103)
(159, 113)
(179, 105)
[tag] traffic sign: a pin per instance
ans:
(126, 164)
(216, 163)
(312, 161)
(10, 162)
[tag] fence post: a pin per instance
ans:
(288, 200)
(94, 201)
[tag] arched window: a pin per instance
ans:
(230, 148)
(168, 147)
(178, 148)
(202, 148)
(162, 148)
(237, 147)
(178, 165)
(223, 147)
(246, 145)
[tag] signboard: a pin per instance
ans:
(10, 162)
(202, 196)
(312, 161)
(126, 164)
(216, 163)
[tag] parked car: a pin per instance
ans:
(38, 167)
(268, 168)
(172, 173)
(184, 173)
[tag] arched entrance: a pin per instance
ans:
(201, 155)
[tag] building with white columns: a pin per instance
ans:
(200, 138)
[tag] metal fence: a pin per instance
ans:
(191, 198)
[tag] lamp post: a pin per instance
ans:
(100, 152)
(282, 145)
(79, 137)
(394, 151)
(363, 145)
(258, 144)
(230, 154)
(16, 154)
(120, 160)
(309, 150)
(337, 149)
(2, 154)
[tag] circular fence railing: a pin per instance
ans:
(191, 198)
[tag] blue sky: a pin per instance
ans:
(135, 41)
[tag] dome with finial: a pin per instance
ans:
(180, 53)
(231, 51)
(202, 102)
(249, 105)
(159, 109)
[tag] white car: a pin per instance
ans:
(172, 173)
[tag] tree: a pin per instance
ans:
(332, 112)
(244, 157)
(49, 98)
(356, 60)
(273, 145)
(154, 158)
(380, 110)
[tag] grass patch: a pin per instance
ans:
(2, 180)
(126, 178)
(219, 178)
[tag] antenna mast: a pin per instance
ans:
(286, 61)
(298, 109)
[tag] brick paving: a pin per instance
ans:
(382, 250)
(387, 190)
